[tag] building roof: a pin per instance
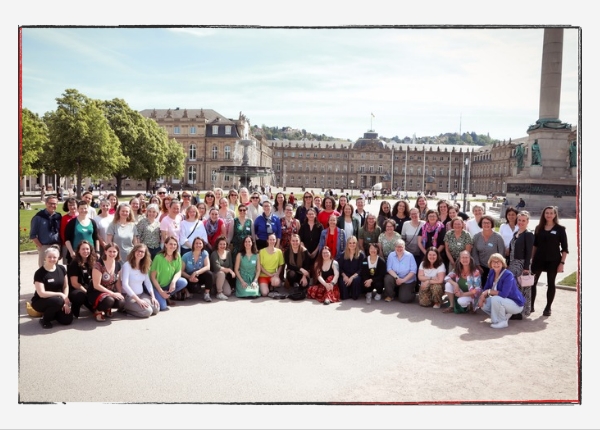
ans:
(211, 116)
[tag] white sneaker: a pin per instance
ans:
(377, 297)
(207, 297)
(369, 295)
(501, 324)
(222, 296)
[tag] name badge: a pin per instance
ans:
(254, 263)
(247, 228)
(51, 280)
(553, 232)
(459, 243)
(490, 245)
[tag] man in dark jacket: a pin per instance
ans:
(45, 227)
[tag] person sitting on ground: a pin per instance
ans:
(165, 273)
(350, 264)
(106, 294)
(195, 269)
(501, 297)
(51, 296)
(463, 285)
(136, 284)
(372, 274)
(221, 265)
(327, 274)
(79, 272)
(271, 263)
(431, 276)
(247, 269)
(401, 276)
(297, 266)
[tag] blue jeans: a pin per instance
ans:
(179, 285)
(500, 308)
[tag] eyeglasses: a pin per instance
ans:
(242, 210)
(186, 197)
(255, 197)
(210, 195)
(162, 192)
(308, 197)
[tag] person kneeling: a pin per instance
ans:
(501, 297)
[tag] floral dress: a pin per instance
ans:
(319, 292)
(287, 229)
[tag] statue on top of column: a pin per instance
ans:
(536, 154)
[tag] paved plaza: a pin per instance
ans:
(266, 351)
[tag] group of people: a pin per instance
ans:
(141, 257)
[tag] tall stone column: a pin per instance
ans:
(547, 177)
(551, 74)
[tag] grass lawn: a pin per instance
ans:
(570, 281)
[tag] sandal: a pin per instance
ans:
(99, 317)
(448, 310)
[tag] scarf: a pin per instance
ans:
(428, 228)
(211, 227)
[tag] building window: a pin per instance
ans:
(192, 130)
(215, 129)
(192, 152)
(293, 155)
(191, 175)
(215, 152)
(291, 179)
(228, 130)
(371, 170)
(380, 169)
(410, 171)
(176, 130)
(441, 171)
(418, 170)
(228, 152)
(278, 154)
(300, 155)
(226, 178)
(213, 176)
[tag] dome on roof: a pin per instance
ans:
(369, 139)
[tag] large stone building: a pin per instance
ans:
(370, 162)
(209, 140)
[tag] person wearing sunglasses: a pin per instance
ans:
(306, 204)
(254, 208)
(242, 228)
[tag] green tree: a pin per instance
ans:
(155, 137)
(34, 138)
(143, 142)
(175, 158)
(81, 140)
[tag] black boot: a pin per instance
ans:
(517, 317)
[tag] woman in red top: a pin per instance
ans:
(215, 227)
(328, 209)
(70, 207)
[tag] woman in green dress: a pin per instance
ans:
(247, 269)
(242, 228)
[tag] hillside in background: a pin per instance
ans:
(290, 133)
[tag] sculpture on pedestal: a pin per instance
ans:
(573, 154)
(536, 154)
(519, 153)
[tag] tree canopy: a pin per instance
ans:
(34, 139)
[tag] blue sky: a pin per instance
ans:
(423, 81)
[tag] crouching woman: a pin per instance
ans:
(501, 297)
